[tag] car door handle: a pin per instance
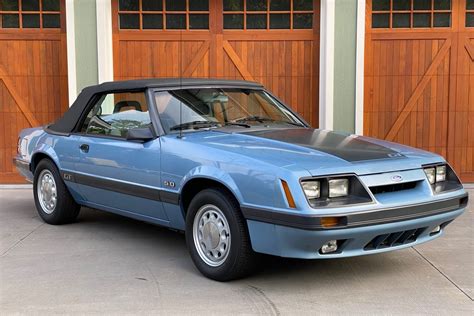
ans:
(84, 148)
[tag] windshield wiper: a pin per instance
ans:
(237, 124)
(194, 125)
(292, 123)
(262, 119)
(255, 118)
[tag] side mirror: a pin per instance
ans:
(141, 134)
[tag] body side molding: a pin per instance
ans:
(149, 193)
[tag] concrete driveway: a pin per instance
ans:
(106, 264)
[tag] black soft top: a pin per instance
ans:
(68, 121)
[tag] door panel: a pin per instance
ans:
(115, 173)
(122, 175)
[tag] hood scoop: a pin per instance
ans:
(348, 147)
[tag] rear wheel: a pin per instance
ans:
(217, 236)
(54, 203)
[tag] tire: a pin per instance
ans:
(223, 252)
(54, 203)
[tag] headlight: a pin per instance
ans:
(312, 189)
(441, 173)
(338, 187)
(436, 174)
(442, 178)
(431, 174)
(334, 191)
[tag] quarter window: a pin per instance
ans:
(114, 114)
(30, 14)
(411, 13)
(268, 14)
(163, 14)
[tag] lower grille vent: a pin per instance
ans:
(394, 239)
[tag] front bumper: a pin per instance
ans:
(356, 219)
(23, 168)
(303, 237)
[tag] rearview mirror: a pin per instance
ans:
(141, 134)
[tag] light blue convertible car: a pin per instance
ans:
(238, 171)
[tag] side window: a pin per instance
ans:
(115, 114)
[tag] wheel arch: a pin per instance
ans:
(199, 183)
(37, 157)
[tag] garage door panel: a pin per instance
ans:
(462, 146)
(389, 96)
(438, 99)
(202, 68)
(12, 121)
(285, 67)
(158, 59)
(285, 60)
(390, 99)
(33, 83)
(230, 71)
(39, 58)
(430, 69)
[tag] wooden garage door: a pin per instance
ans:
(33, 72)
(275, 42)
(419, 76)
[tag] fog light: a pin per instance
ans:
(330, 246)
(435, 230)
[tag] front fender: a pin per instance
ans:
(215, 174)
(249, 186)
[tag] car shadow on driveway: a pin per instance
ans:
(106, 262)
(173, 243)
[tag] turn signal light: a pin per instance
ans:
(328, 222)
(289, 196)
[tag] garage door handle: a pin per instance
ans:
(84, 148)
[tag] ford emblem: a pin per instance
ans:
(397, 178)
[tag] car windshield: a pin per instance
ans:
(212, 107)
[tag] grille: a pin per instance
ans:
(393, 187)
(394, 239)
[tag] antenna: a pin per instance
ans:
(180, 69)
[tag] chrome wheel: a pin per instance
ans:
(211, 234)
(47, 191)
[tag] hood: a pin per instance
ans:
(347, 147)
(317, 151)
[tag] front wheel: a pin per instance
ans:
(54, 203)
(217, 236)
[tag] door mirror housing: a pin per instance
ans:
(140, 134)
